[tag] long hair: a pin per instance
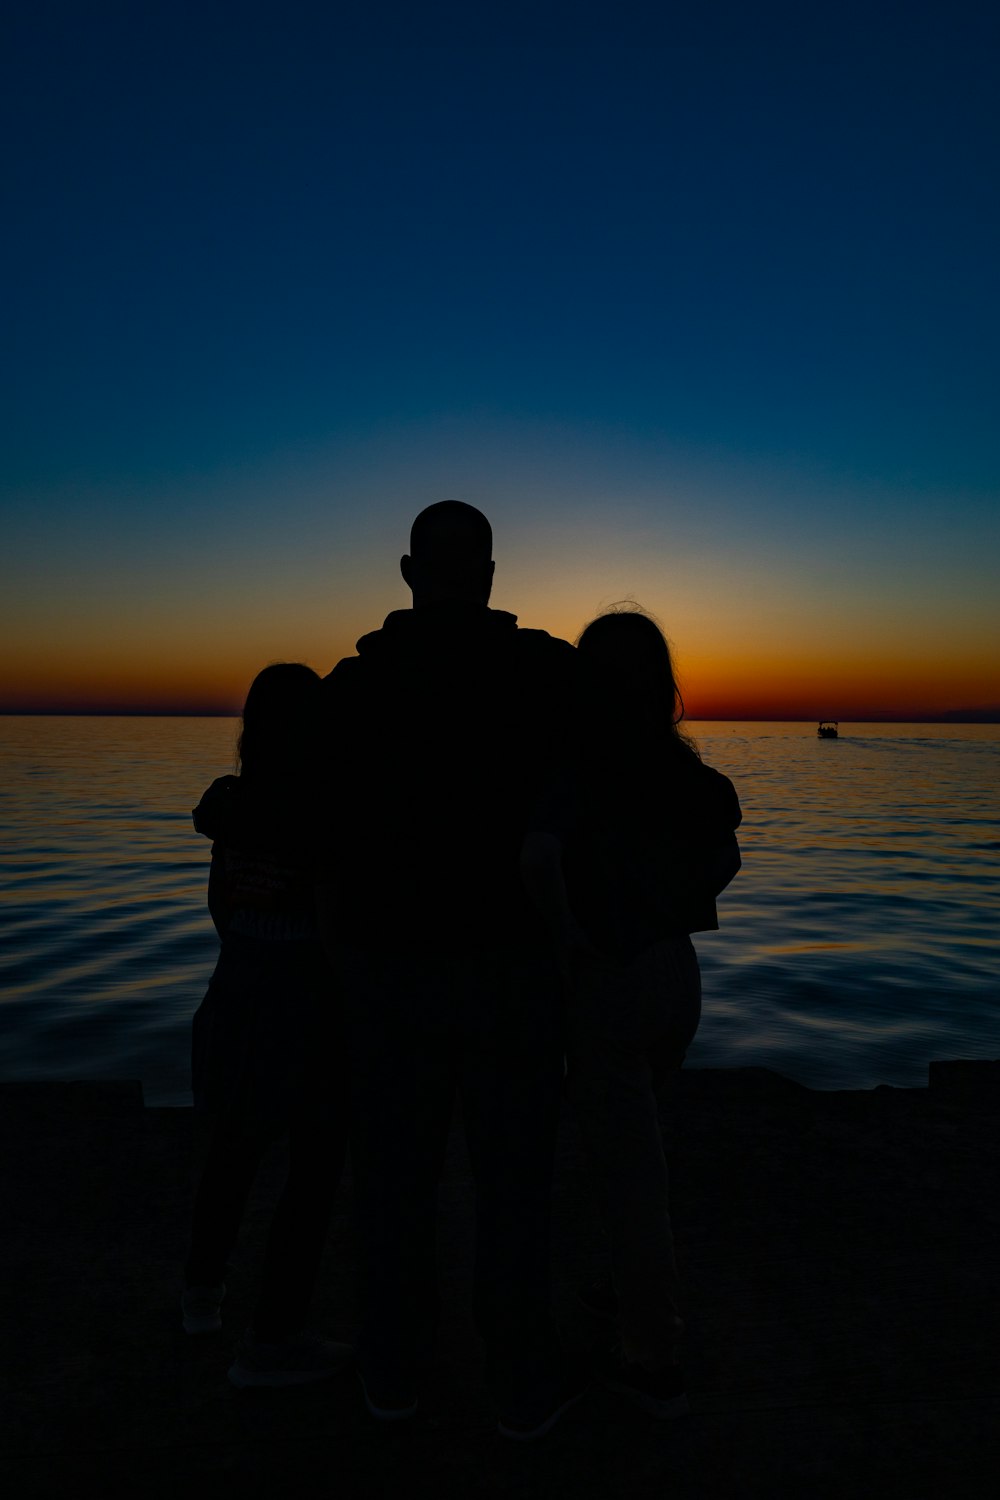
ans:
(280, 720)
(631, 683)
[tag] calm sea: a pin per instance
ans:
(859, 942)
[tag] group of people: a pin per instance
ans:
(467, 862)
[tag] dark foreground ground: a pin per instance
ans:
(840, 1251)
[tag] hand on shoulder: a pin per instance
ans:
(212, 811)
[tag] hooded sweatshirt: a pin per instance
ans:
(441, 734)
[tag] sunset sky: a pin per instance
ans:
(709, 321)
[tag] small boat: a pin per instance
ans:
(827, 729)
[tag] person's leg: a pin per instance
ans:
(511, 1081)
(616, 1082)
(317, 1149)
(634, 1190)
(220, 1200)
(316, 1154)
(402, 1066)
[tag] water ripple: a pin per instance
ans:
(858, 943)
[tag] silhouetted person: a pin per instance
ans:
(268, 1050)
(444, 728)
(626, 860)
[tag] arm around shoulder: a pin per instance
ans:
(724, 864)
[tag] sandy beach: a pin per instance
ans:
(839, 1251)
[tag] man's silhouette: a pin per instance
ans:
(444, 730)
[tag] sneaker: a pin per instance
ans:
(535, 1419)
(658, 1392)
(296, 1361)
(385, 1402)
(600, 1298)
(201, 1308)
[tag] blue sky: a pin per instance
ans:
(715, 292)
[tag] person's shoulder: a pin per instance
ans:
(342, 684)
(344, 671)
(373, 649)
(541, 640)
(539, 646)
(548, 669)
(721, 792)
(216, 806)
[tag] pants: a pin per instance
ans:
(270, 1056)
(484, 1024)
(299, 1227)
(629, 1032)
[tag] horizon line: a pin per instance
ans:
(984, 715)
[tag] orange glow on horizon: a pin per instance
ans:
(710, 691)
(206, 663)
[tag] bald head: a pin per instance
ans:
(450, 557)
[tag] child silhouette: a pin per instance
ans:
(625, 862)
(268, 1055)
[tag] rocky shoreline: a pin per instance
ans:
(839, 1251)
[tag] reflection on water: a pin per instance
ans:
(858, 942)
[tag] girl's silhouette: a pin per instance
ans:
(267, 1051)
(626, 863)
